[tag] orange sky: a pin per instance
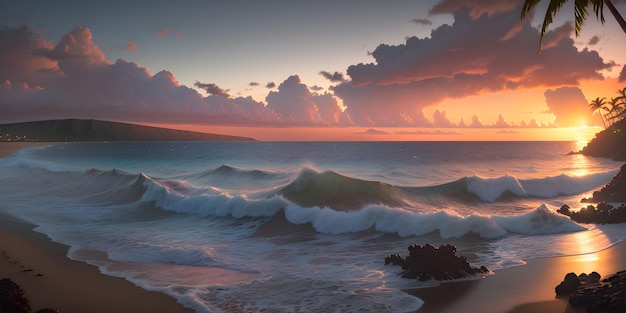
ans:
(452, 70)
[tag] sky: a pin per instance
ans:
(311, 70)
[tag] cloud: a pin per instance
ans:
(422, 21)
(434, 132)
(486, 50)
(372, 131)
(131, 46)
(253, 84)
(296, 105)
(335, 77)
(569, 106)
(441, 120)
(476, 8)
(622, 75)
(270, 85)
(506, 131)
(163, 32)
(594, 40)
(212, 89)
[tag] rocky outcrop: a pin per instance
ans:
(606, 295)
(609, 143)
(431, 263)
(603, 213)
(614, 191)
(12, 298)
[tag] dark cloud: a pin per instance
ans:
(487, 49)
(475, 8)
(270, 85)
(622, 75)
(335, 77)
(422, 21)
(253, 84)
(594, 40)
(212, 89)
(316, 88)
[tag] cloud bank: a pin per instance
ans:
(486, 49)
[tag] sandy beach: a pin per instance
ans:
(8, 147)
(527, 288)
(51, 280)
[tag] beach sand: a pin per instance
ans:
(8, 148)
(51, 280)
(522, 289)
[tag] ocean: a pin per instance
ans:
(302, 226)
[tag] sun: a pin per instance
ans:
(582, 122)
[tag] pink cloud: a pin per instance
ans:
(297, 105)
(131, 46)
(163, 32)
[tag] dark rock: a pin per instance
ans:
(614, 190)
(12, 298)
(437, 263)
(568, 285)
(603, 213)
(606, 295)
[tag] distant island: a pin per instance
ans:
(80, 130)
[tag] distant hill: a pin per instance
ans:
(95, 130)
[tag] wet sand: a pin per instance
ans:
(522, 289)
(8, 148)
(51, 280)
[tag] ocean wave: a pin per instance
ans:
(328, 188)
(406, 223)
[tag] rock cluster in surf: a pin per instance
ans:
(603, 213)
(431, 263)
(606, 295)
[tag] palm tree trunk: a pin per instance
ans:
(618, 17)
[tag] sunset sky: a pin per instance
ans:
(311, 70)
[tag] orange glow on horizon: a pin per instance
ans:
(581, 135)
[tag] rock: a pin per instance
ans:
(12, 298)
(606, 295)
(603, 213)
(568, 285)
(614, 190)
(437, 263)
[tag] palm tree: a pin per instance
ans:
(580, 13)
(616, 109)
(596, 105)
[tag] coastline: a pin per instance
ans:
(521, 289)
(7, 148)
(51, 280)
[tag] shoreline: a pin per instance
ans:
(7, 148)
(51, 280)
(527, 288)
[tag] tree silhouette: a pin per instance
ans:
(598, 104)
(580, 13)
